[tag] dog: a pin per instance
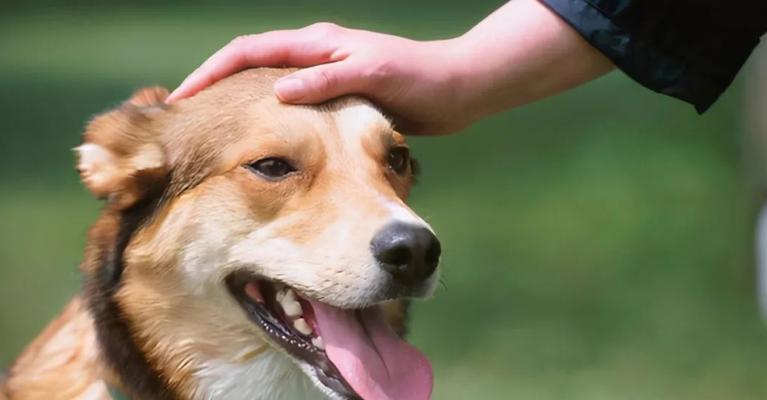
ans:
(247, 249)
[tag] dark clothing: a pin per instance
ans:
(689, 49)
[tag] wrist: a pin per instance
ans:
(522, 53)
(449, 66)
(471, 77)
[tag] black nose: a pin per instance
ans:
(410, 253)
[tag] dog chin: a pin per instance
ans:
(312, 374)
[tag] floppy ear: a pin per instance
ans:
(122, 158)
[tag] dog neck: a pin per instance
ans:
(68, 362)
(193, 355)
(200, 360)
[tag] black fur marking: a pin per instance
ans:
(119, 349)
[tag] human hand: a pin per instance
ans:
(521, 53)
(415, 82)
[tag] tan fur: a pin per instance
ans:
(62, 363)
(311, 230)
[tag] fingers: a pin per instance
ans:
(323, 82)
(312, 45)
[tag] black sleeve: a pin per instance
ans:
(688, 49)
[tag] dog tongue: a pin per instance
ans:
(373, 359)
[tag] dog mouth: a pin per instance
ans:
(353, 353)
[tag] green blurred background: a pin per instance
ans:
(597, 245)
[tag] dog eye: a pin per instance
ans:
(272, 168)
(399, 160)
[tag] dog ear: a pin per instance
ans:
(122, 158)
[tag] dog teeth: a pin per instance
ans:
(292, 310)
(318, 343)
(290, 305)
(290, 295)
(302, 327)
(288, 300)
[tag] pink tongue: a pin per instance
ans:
(375, 362)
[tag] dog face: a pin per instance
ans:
(262, 240)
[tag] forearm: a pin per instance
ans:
(521, 53)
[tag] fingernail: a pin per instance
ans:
(289, 89)
(174, 94)
(171, 97)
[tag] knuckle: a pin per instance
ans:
(239, 41)
(324, 29)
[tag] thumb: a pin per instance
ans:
(320, 83)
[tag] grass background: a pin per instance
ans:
(597, 245)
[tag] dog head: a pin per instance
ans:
(249, 247)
